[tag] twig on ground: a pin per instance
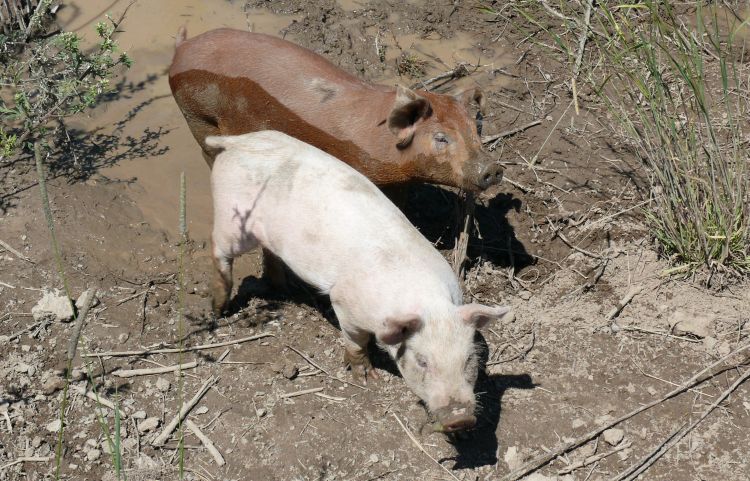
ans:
(535, 159)
(634, 291)
(491, 138)
(206, 442)
(201, 347)
(521, 187)
(5, 284)
(154, 370)
(10, 249)
(42, 323)
(616, 214)
(307, 358)
(458, 71)
(462, 241)
(88, 298)
(659, 333)
(301, 393)
(593, 459)
(99, 399)
(676, 436)
(26, 459)
(581, 47)
(421, 448)
(162, 438)
(559, 233)
(330, 398)
(130, 298)
(545, 458)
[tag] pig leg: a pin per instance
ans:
(355, 345)
(221, 283)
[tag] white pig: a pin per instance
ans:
(338, 232)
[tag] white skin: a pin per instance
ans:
(340, 234)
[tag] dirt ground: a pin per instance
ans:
(557, 371)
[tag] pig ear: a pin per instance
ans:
(398, 329)
(478, 315)
(468, 96)
(407, 110)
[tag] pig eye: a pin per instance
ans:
(421, 361)
(440, 138)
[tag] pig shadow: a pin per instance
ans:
(433, 210)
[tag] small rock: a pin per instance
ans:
(148, 424)
(162, 384)
(684, 323)
(624, 454)
(724, 348)
(139, 415)
(710, 343)
(82, 299)
(578, 423)
(24, 368)
(36, 442)
(512, 458)
(260, 412)
(613, 436)
(525, 295)
(201, 410)
(122, 338)
(25, 348)
(54, 426)
(290, 372)
(52, 306)
(52, 385)
(538, 477)
(93, 454)
(129, 444)
(374, 458)
(651, 390)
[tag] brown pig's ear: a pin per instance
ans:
(398, 329)
(407, 110)
(468, 96)
(478, 315)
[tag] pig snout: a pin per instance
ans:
(483, 173)
(455, 417)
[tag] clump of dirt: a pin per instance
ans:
(561, 241)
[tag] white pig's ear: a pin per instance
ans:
(398, 329)
(407, 110)
(478, 315)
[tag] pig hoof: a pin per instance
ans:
(360, 366)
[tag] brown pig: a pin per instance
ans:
(230, 82)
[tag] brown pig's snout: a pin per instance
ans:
(456, 417)
(491, 174)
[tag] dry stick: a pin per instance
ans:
(301, 393)
(635, 470)
(306, 358)
(545, 458)
(462, 241)
(330, 398)
(27, 459)
(176, 349)
(592, 459)
(7, 247)
(88, 299)
(418, 445)
(162, 438)
(99, 399)
(536, 156)
(581, 47)
(154, 370)
(30, 328)
(634, 291)
(206, 442)
(659, 333)
(491, 138)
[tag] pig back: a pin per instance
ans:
(323, 218)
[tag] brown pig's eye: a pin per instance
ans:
(440, 138)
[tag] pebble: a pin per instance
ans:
(613, 436)
(290, 372)
(684, 323)
(374, 458)
(201, 410)
(122, 338)
(54, 426)
(162, 384)
(148, 424)
(260, 412)
(52, 306)
(578, 423)
(93, 454)
(525, 295)
(139, 414)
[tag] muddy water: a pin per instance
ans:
(157, 144)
